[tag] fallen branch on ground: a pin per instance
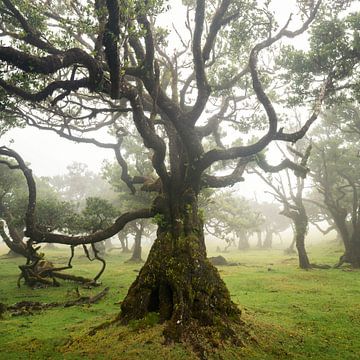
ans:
(29, 307)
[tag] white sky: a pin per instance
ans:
(48, 154)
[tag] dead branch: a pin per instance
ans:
(29, 307)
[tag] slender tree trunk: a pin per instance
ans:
(291, 248)
(124, 242)
(243, 243)
(300, 233)
(179, 283)
(108, 245)
(259, 240)
(267, 244)
(100, 247)
(136, 255)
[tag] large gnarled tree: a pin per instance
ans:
(106, 63)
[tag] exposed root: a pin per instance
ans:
(320, 266)
(349, 257)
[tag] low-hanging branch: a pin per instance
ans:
(38, 236)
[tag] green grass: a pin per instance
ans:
(293, 314)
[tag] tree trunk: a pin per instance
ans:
(178, 282)
(300, 233)
(352, 252)
(290, 249)
(124, 242)
(108, 245)
(243, 243)
(351, 243)
(259, 240)
(267, 244)
(136, 255)
(354, 255)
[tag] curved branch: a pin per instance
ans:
(227, 180)
(52, 63)
(244, 151)
(199, 64)
(30, 211)
(293, 137)
(299, 169)
(68, 85)
(119, 224)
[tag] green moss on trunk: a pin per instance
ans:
(179, 283)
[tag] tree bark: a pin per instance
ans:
(179, 283)
(136, 255)
(124, 242)
(14, 241)
(300, 233)
(351, 242)
(352, 252)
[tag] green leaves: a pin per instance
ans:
(334, 50)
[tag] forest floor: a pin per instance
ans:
(292, 313)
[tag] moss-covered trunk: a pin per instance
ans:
(178, 282)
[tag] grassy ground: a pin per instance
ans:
(293, 314)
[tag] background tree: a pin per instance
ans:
(335, 169)
(229, 217)
(79, 183)
(52, 214)
(291, 198)
(273, 223)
